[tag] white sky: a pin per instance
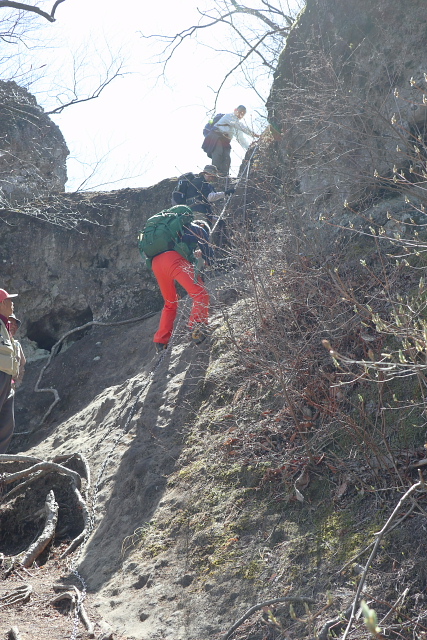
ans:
(140, 126)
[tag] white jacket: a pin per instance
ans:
(230, 126)
(9, 355)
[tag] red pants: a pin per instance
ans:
(168, 267)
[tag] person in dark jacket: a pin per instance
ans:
(198, 193)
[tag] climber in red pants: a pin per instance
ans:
(171, 266)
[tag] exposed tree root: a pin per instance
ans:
(335, 625)
(40, 466)
(86, 518)
(56, 346)
(18, 596)
(23, 485)
(48, 533)
(75, 598)
(35, 471)
(83, 461)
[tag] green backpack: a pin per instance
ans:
(163, 232)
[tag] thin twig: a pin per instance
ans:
(418, 485)
(266, 603)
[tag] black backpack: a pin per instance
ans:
(187, 190)
(209, 126)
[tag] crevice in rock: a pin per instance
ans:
(47, 330)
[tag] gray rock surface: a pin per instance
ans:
(347, 100)
(33, 152)
(66, 277)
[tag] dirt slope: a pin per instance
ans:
(130, 427)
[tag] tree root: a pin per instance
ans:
(84, 462)
(22, 485)
(75, 598)
(48, 533)
(335, 625)
(17, 596)
(33, 473)
(40, 466)
(86, 519)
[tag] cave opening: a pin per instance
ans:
(47, 330)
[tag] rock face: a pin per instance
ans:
(347, 103)
(66, 277)
(32, 149)
(159, 565)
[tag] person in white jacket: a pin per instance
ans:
(14, 324)
(9, 367)
(227, 128)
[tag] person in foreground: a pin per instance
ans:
(172, 242)
(9, 368)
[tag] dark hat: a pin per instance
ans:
(210, 168)
(17, 320)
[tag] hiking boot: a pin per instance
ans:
(199, 332)
(160, 346)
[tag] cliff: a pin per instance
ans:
(278, 464)
(32, 149)
(347, 103)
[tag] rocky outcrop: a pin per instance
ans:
(347, 104)
(227, 472)
(33, 152)
(66, 277)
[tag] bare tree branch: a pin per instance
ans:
(117, 73)
(227, 75)
(268, 27)
(28, 7)
(256, 14)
